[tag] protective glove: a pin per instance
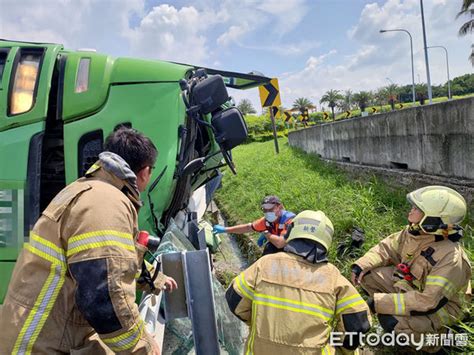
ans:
(356, 269)
(261, 240)
(217, 229)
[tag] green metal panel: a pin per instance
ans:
(6, 269)
(14, 145)
(104, 70)
(156, 109)
(4, 85)
(80, 104)
(128, 70)
(11, 229)
(11, 219)
(39, 110)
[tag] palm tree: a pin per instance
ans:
(392, 94)
(245, 106)
(302, 104)
(421, 90)
(379, 97)
(346, 103)
(468, 27)
(362, 98)
(333, 99)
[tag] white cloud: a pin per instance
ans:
(365, 55)
(171, 34)
(287, 49)
(385, 55)
(234, 34)
(288, 13)
(249, 16)
(193, 33)
(312, 62)
(184, 34)
(78, 23)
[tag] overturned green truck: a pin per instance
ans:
(57, 106)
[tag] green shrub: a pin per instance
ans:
(262, 124)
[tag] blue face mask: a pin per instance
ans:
(270, 216)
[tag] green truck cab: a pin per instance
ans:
(57, 106)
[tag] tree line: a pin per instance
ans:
(339, 101)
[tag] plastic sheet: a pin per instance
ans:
(178, 333)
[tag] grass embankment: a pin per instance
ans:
(303, 182)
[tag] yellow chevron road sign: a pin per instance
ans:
(270, 94)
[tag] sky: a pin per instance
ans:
(311, 46)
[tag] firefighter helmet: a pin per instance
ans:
(442, 206)
(313, 225)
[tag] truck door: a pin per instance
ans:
(26, 72)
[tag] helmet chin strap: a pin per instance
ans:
(415, 229)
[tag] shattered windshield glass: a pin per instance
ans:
(178, 338)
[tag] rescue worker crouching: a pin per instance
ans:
(272, 227)
(293, 300)
(419, 278)
(73, 286)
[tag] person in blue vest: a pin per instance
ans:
(273, 226)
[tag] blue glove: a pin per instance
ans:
(217, 229)
(261, 240)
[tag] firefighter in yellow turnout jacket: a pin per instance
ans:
(292, 300)
(419, 278)
(73, 287)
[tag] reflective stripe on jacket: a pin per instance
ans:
(441, 274)
(292, 305)
(76, 276)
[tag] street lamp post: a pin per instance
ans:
(430, 93)
(447, 68)
(411, 51)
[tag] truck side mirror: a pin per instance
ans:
(210, 94)
(230, 128)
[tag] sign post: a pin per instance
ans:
(275, 137)
(270, 97)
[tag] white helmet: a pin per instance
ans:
(313, 225)
(442, 206)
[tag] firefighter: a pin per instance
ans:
(293, 300)
(272, 227)
(73, 286)
(419, 278)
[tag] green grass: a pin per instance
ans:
(303, 182)
(388, 108)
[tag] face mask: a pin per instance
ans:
(270, 216)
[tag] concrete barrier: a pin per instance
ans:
(434, 139)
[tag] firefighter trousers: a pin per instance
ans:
(384, 280)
